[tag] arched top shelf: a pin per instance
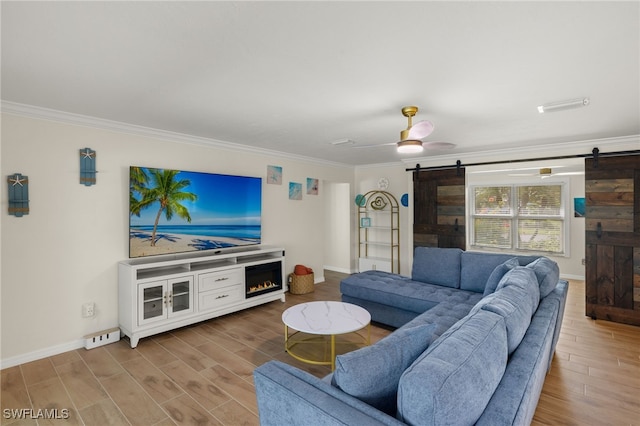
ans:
(379, 200)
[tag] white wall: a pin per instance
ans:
(65, 251)
(337, 216)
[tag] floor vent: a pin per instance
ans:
(101, 338)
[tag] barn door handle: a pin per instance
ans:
(456, 226)
(599, 230)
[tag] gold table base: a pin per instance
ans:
(299, 338)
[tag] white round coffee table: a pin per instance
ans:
(319, 319)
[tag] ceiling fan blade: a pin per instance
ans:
(420, 130)
(373, 145)
(438, 145)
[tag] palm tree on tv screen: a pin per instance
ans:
(138, 180)
(168, 192)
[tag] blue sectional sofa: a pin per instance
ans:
(476, 337)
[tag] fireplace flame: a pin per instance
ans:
(262, 286)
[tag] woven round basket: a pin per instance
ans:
(301, 284)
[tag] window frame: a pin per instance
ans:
(514, 217)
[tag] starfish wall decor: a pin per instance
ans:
(18, 194)
(87, 167)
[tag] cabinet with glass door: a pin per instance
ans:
(170, 298)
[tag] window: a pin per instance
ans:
(519, 217)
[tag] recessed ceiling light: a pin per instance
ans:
(563, 105)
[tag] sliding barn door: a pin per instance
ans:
(612, 187)
(439, 208)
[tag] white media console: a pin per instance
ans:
(163, 293)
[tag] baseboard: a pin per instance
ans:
(572, 277)
(337, 269)
(41, 353)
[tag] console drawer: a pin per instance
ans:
(219, 279)
(218, 298)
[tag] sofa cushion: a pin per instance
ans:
(525, 279)
(476, 267)
(372, 373)
(453, 380)
(511, 304)
(401, 292)
(435, 265)
(547, 273)
(443, 316)
(497, 274)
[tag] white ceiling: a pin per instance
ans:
(296, 76)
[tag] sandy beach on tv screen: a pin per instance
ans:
(140, 243)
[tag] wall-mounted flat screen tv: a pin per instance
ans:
(176, 211)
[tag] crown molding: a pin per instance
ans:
(31, 111)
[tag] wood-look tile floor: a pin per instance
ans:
(202, 374)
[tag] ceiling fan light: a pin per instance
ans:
(410, 146)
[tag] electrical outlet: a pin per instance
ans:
(88, 310)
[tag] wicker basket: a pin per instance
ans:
(301, 284)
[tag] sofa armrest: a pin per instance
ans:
(560, 294)
(287, 395)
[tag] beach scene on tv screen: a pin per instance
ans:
(174, 211)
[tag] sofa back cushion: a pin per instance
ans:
(435, 265)
(513, 304)
(476, 267)
(497, 274)
(523, 278)
(547, 273)
(372, 373)
(454, 379)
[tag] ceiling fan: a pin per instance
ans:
(411, 138)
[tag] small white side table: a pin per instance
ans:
(320, 319)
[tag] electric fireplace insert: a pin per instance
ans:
(261, 279)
